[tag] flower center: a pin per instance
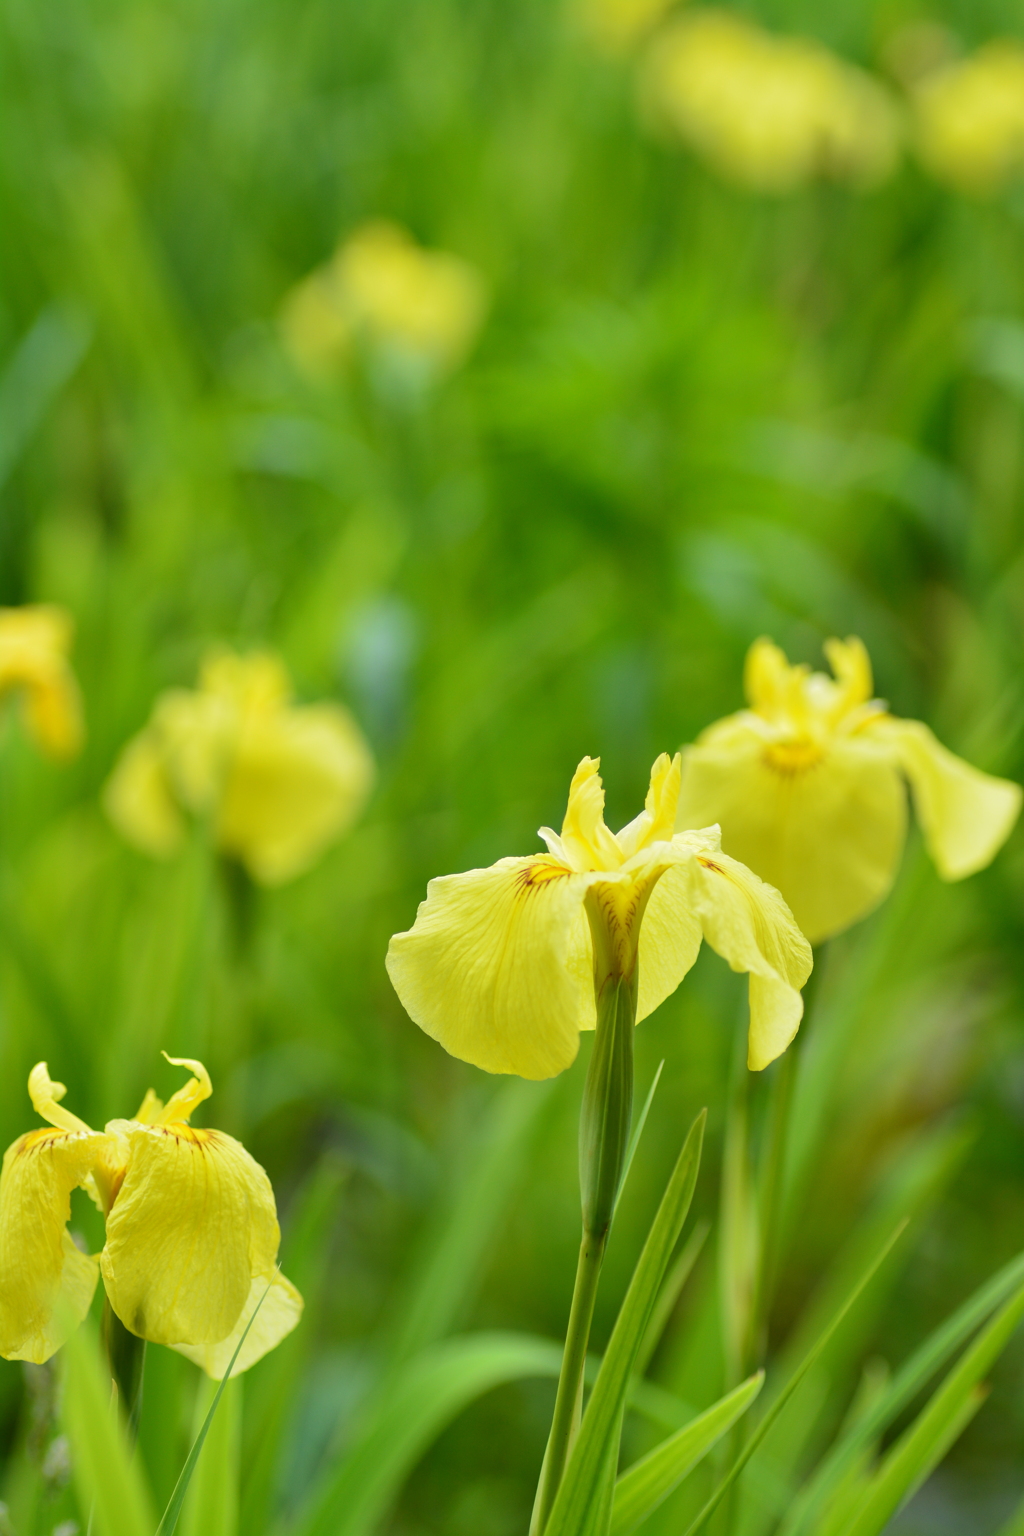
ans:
(793, 756)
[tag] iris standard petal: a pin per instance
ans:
(280, 1308)
(497, 966)
(749, 925)
(298, 779)
(138, 799)
(827, 835)
(965, 815)
(46, 1283)
(193, 1222)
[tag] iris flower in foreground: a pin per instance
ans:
(278, 782)
(191, 1232)
(34, 645)
(504, 969)
(809, 785)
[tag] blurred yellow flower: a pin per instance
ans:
(277, 782)
(969, 118)
(34, 645)
(809, 787)
(614, 26)
(384, 291)
(191, 1232)
(500, 965)
(768, 112)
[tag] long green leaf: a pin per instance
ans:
(908, 1381)
(921, 1446)
(575, 1505)
(648, 1482)
(212, 1500)
(424, 1397)
(110, 1482)
(794, 1381)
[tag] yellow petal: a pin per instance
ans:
(46, 1283)
(670, 936)
(193, 1222)
(497, 966)
(298, 779)
(965, 815)
(138, 798)
(196, 733)
(749, 925)
(828, 836)
(280, 1308)
(34, 644)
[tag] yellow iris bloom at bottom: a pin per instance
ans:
(809, 787)
(192, 1233)
(500, 967)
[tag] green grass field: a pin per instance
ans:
(694, 414)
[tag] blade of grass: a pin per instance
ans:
(921, 1446)
(172, 1513)
(923, 1363)
(110, 1482)
(574, 1508)
(648, 1482)
(637, 1132)
(212, 1500)
(669, 1295)
(794, 1381)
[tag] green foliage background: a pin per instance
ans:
(694, 416)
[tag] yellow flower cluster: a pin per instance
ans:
(809, 787)
(384, 292)
(191, 1232)
(276, 782)
(969, 118)
(768, 112)
(34, 645)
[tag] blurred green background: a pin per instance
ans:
(694, 415)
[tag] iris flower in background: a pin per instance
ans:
(34, 646)
(969, 118)
(768, 112)
(615, 26)
(277, 782)
(417, 309)
(809, 785)
(191, 1232)
(500, 963)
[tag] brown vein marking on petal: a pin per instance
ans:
(710, 864)
(197, 1135)
(541, 872)
(34, 1141)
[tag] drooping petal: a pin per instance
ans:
(670, 937)
(280, 1307)
(749, 925)
(138, 798)
(298, 779)
(965, 815)
(828, 835)
(46, 1283)
(497, 966)
(193, 1222)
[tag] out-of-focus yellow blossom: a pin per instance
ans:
(768, 112)
(277, 782)
(500, 964)
(384, 291)
(969, 118)
(809, 785)
(191, 1232)
(34, 645)
(614, 26)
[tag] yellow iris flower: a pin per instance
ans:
(382, 289)
(969, 118)
(771, 113)
(500, 965)
(809, 787)
(34, 645)
(278, 782)
(192, 1232)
